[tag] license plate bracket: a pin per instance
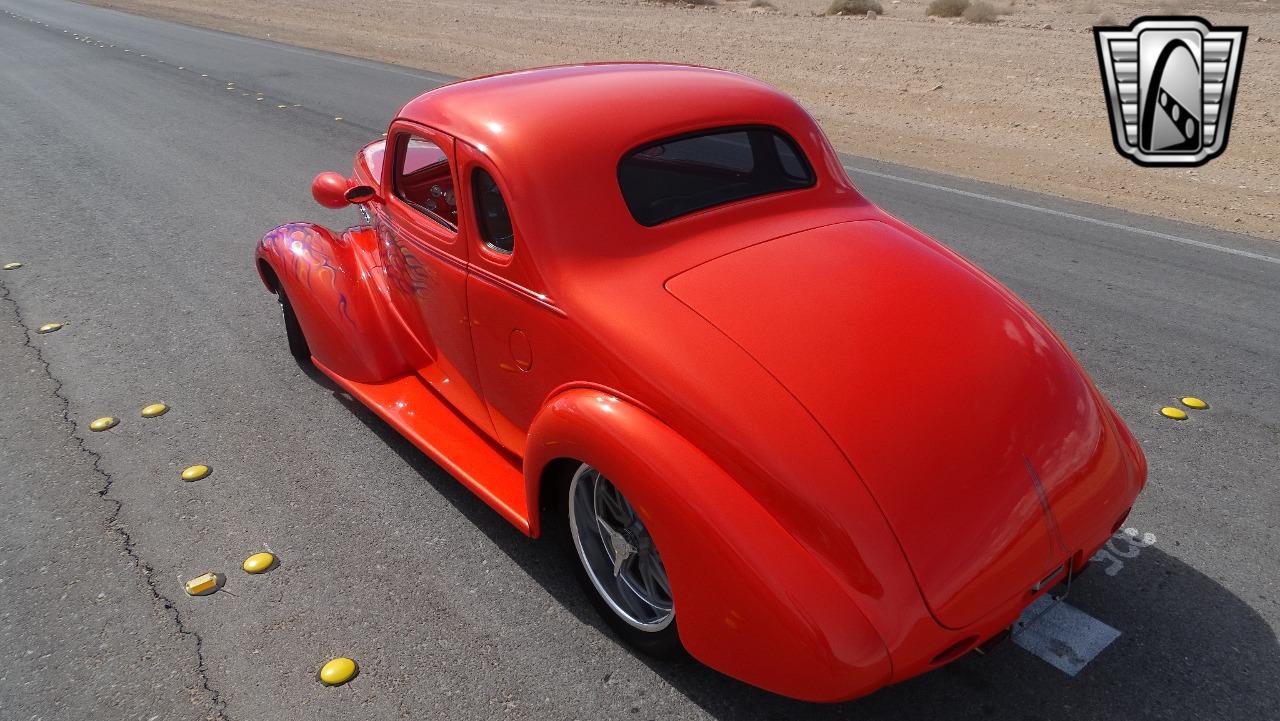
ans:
(1057, 593)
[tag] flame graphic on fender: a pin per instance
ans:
(307, 255)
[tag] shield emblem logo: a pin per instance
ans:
(1170, 84)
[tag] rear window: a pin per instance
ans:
(672, 177)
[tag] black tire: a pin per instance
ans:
(293, 330)
(660, 644)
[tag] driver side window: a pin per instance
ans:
(424, 181)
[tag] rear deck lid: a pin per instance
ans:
(956, 405)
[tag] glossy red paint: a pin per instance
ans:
(856, 452)
(330, 189)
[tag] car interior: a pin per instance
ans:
(425, 182)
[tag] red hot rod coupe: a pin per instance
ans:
(642, 307)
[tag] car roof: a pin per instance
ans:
(553, 138)
(615, 106)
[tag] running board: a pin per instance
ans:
(410, 407)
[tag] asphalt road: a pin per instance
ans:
(133, 189)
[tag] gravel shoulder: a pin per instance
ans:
(1018, 102)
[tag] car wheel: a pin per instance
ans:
(619, 564)
(293, 330)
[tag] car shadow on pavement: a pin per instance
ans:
(1188, 649)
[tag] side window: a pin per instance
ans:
(423, 180)
(492, 217)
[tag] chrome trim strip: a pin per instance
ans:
(511, 286)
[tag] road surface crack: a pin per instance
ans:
(113, 520)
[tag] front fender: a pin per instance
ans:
(750, 601)
(331, 284)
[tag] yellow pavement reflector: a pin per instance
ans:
(339, 118)
(196, 472)
(203, 585)
(258, 563)
(1193, 402)
(103, 423)
(12, 266)
(48, 327)
(1176, 414)
(155, 409)
(338, 671)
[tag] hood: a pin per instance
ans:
(973, 428)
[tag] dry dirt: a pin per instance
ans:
(1018, 102)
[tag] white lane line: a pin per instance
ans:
(1071, 216)
(1062, 635)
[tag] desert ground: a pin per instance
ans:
(1017, 102)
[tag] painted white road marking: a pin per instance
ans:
(1071, 216)
(1128, 543)
(1062, 635)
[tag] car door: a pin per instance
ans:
(425, 259)
(523, 346)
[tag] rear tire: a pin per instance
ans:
(293, 330)
(634, 600)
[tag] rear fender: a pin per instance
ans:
(750, 601)
(331, 283)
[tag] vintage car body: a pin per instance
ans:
(860, 456)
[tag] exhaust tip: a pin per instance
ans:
(990, 644)
(954, 651)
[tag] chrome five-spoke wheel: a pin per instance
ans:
(619, 556)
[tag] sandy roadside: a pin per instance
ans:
(1018, 102)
